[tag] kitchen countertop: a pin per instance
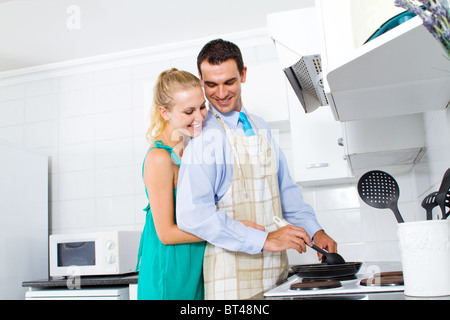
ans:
(132, 278)
(85, 281)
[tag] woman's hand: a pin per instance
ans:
(252, 225)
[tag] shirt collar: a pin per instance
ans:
(231, 118)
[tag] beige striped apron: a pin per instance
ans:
(254, 196)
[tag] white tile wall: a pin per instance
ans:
(92, 125)
(368, 234)
(91, 121)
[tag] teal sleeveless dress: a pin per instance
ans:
(168, 272)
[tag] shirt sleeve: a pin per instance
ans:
(203, 179)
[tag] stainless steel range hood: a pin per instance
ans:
(306, 79)
(301, 60)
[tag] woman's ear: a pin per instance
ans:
(164, 113)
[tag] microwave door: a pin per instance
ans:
(76, 254)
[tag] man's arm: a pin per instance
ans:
(202, 177)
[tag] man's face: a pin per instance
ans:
(222, 84)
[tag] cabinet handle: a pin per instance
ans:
(341, 142)
(316, 165)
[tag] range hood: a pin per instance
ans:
(306, 78)
(401, 72)
(297, 41)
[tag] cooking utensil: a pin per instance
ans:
(379, 189)
(429, 203)
(443, 196)
(323, 270)
(330, 258)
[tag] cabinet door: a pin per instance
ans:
(318, 158)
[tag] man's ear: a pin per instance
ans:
(201, 80)
(244, 75)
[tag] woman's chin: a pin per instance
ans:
(195, 133)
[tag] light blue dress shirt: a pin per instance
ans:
(205, 176)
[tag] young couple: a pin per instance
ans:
(222, 242)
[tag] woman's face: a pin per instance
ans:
(189, 111)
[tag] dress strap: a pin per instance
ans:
(160, 145)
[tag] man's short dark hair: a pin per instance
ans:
(218, 51)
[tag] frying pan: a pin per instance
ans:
(323, 270)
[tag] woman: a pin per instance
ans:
(170, 260)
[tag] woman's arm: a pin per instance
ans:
(159, 181)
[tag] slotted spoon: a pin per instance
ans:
(429, 203)
(443, 196)
(379, 189)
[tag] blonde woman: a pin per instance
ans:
(170, 260)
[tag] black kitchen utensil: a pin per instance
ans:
(330, 258)
(379, 189)
(429, 203)
(323, 270)
(443, 196)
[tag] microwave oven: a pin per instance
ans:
(96, 253)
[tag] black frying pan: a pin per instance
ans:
(323, 270)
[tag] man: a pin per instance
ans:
(235, 171)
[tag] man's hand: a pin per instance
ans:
(324, 241)
(288, 237)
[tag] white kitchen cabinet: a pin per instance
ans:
(106, 293)
(318, 157)
(23, 219)
(403, 71)
(345, 25)
(384, 106)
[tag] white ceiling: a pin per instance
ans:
(36, 32)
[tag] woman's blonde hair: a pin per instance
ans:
(168, 82)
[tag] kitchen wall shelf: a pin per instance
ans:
(394, 144)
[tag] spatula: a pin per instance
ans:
(379, 189)
(429, 203)
(443, 196)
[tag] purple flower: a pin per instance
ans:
(447, 34)
(435, 17)
(426, 3)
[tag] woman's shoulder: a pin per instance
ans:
(158, 157)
